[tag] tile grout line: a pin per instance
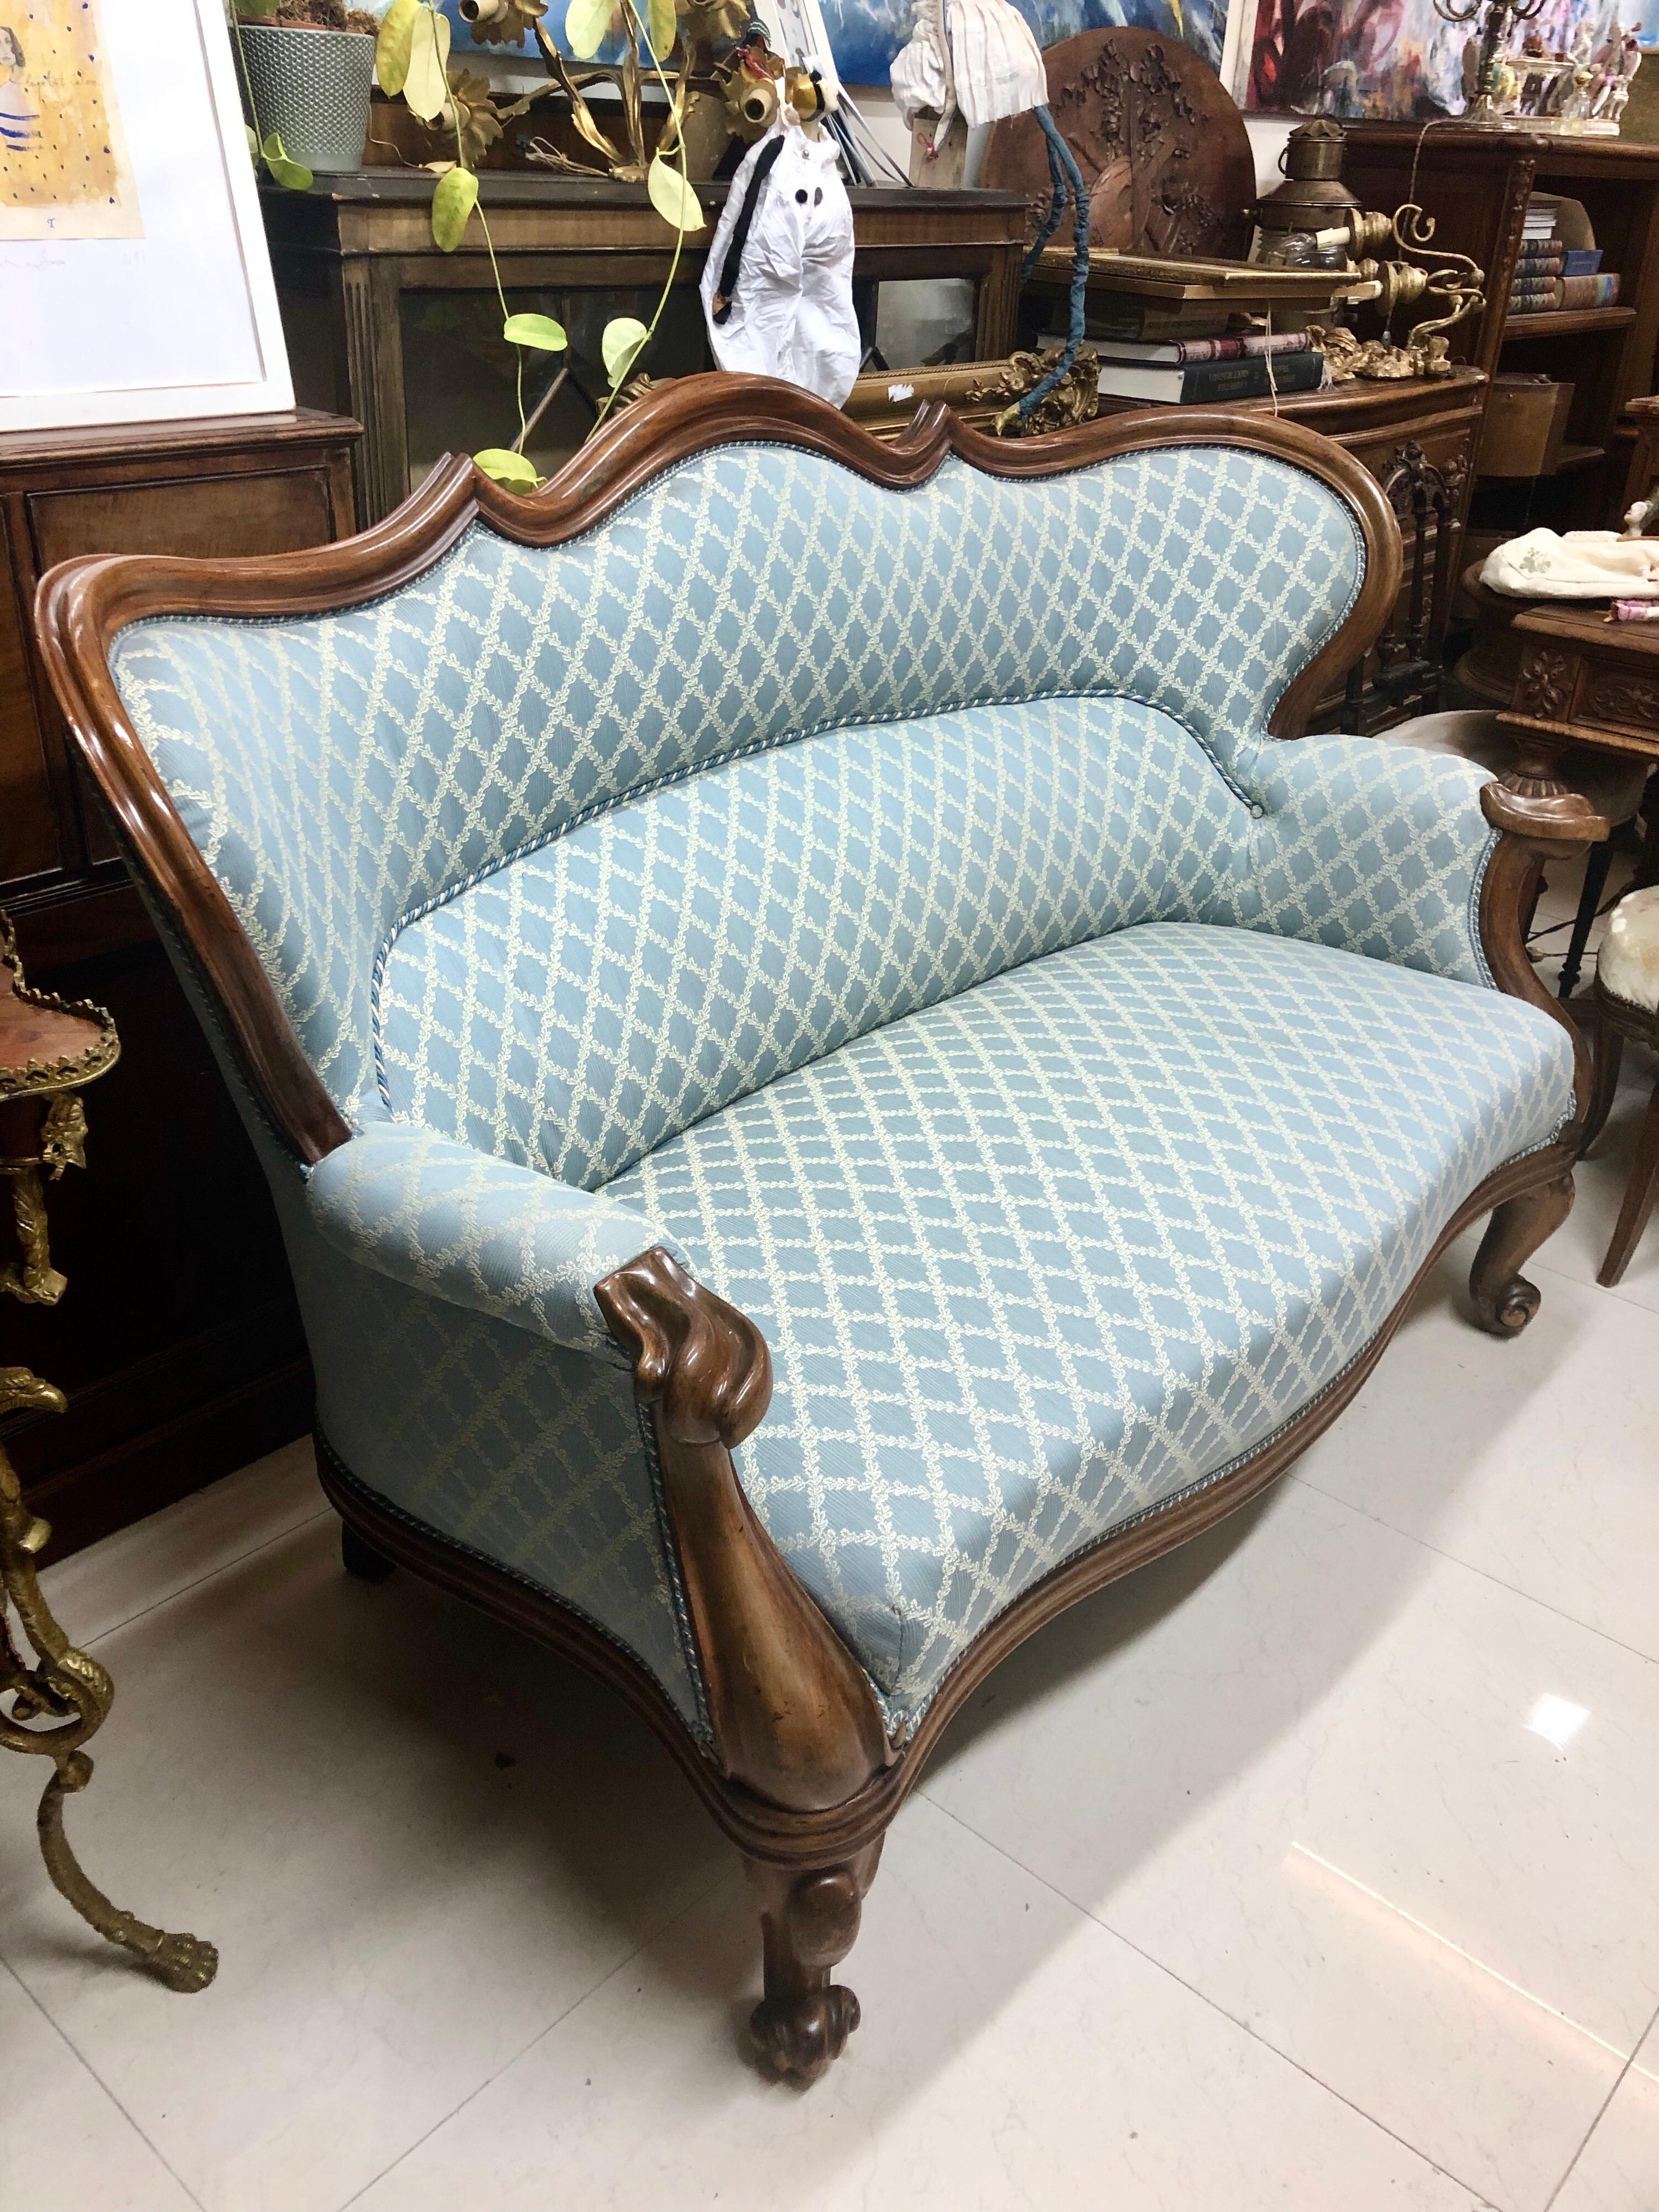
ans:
(540, 2036)
(1601, 2110)
(1481, 2203)
(210, 1575)
(1528, 1597)
(81, 2059)
(1607, 1290)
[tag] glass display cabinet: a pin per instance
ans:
(382, 325)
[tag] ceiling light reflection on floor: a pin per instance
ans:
(1558, 1720)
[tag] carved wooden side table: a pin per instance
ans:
(1582, 680)
(48, 1050)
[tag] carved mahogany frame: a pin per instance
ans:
(801, 1774)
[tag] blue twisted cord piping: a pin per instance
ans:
(1068, 182)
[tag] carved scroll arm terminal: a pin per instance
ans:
(792, 1714)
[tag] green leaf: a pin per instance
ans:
(294, 174)
(248, 11)
(451, 205)
(392, 46)
(661, 27)
(619, 344)
(672, 196)
(253, 143)
(507, 467)
(539, 330)
(585, 22)
(426, 85)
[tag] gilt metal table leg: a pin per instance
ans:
(58, 1702)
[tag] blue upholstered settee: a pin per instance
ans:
(832, 1076)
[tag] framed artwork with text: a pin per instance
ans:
(133, 268)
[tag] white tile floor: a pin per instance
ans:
(1312, 1868)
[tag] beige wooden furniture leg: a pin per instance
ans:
(1626, 1002)
(1640, 1191)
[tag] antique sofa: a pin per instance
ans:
(832, 1077)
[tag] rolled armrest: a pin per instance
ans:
(478, 1232)
(1374, 847)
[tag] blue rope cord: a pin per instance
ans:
(1057, 198)
(1063, 168)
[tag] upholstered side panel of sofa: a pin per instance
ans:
(527, 1454)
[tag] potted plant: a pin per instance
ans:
(308, 68)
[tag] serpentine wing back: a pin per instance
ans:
(458, 821)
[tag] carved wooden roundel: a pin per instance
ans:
(1162, 149)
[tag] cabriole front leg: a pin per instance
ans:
(795, 1723)
(1505, 1301)
(809, 1922)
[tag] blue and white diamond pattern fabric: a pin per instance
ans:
(342, 772)
(478, 1232)
(448, 1397)
(1039, 1258)
(1363, 845)
(579, 1007)
(785, 871)
(525, 1453)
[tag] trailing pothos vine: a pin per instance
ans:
(411, 59)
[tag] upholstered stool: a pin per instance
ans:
(1613, 783)
(1628, 1006)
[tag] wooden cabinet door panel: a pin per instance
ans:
(208, 517)
(28, 828)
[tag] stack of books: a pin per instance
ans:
(1551, 275)
(1197, 332)
(1185, 370)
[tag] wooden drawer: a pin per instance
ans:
(208, 517)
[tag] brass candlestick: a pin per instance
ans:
(1501, 18)
(59, 1698)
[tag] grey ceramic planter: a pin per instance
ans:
(311, 89)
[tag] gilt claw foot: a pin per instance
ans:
(801, 2037)
(186, 1963)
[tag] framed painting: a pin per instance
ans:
(866, 34)
(1390, 60)
(132, 258)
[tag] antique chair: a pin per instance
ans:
(831, 1081)
(1626, 1004)
(1615, 785)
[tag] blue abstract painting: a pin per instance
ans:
(866, 34)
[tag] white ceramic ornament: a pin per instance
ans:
(788, 304)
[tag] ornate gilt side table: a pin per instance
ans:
(48, 1050)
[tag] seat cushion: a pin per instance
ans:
(1042, 1257)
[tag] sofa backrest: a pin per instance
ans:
(579, 726)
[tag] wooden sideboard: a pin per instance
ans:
(178, 1343)
(382, 325)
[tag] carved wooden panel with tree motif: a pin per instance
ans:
(1162, 149)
